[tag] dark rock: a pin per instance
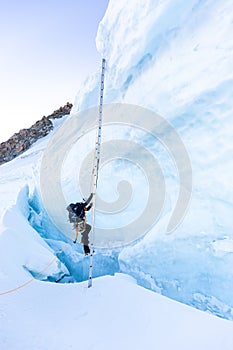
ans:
(21, 141)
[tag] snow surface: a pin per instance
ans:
(116, 314)
(181, 54)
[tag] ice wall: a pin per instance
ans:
(176, 58)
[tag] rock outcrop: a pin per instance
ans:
(22, 140)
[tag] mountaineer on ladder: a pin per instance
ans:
(77, 216)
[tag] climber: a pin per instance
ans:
(77, 216)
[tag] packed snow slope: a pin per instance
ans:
(116, 314)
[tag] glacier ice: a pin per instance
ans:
(175, 58)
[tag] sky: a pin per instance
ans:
(47, 50)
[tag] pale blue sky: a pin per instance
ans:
(47, 50)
